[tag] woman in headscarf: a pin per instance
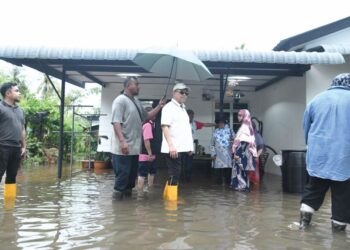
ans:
(220, 148)
(244, 151)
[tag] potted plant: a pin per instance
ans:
(102, 160)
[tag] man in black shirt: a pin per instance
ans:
(12, 136)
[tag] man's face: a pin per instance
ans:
(221, 124)
(180, 95)
(133, 87)
(13, 94)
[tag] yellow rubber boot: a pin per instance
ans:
(9, 203)
(165, 192)
(172, 193)
(10, 191)
(10, 196)
(170, 206)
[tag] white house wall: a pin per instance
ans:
(281, 107)
(319, 77)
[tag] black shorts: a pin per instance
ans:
(147, 167)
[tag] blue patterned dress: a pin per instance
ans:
(220, 147)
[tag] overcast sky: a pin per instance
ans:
(260, 24)
(215, 24)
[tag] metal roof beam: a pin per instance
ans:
(12, 61)
(45, 69)
(270, 82)
(53, 72)
(258, 72)
(92, 78)
(53, 85)
(107, 69)
(74, 62)
(89, 62)
(253, 65)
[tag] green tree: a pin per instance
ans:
(3, 77)
(45, 88)
(16, 77)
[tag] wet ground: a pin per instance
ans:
(81, 213)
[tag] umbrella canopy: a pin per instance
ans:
(173, 63)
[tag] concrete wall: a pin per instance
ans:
(281, 107)
(319, 77)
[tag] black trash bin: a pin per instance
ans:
(294, 174)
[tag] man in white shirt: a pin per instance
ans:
(177, 133)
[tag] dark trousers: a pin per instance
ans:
(174, 168)
(316, 189)
(223, 175)
(125, 169)
(10, 161)
(187, 161)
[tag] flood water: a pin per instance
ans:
(81, 213)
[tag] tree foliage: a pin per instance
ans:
(42, 110)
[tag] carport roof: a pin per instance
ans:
(102, 65)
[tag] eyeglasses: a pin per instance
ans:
(182, 92)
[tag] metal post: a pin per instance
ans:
(72, 143)
(90, 125)
(73, 133)
(61, 142)
(221, 95)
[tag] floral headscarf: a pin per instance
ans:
(245, 133)
(341, 81)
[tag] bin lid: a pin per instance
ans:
(293, 150)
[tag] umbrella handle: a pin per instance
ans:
(166, 89)
(171, 72)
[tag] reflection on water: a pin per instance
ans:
(80, 213)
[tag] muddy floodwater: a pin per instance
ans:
(81, 213)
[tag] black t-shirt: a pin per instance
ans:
(11, 125)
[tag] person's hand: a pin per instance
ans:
(23, 153)
(162, 102)
(173, 152)
(124, 147)
(236, 157)
(151, 157)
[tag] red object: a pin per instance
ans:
(199, 125)
(254, 176)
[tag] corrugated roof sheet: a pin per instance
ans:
(8, 52)
(271, 57)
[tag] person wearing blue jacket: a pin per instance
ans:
(326, 130)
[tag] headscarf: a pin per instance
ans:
(245, 133)
(341, 81)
